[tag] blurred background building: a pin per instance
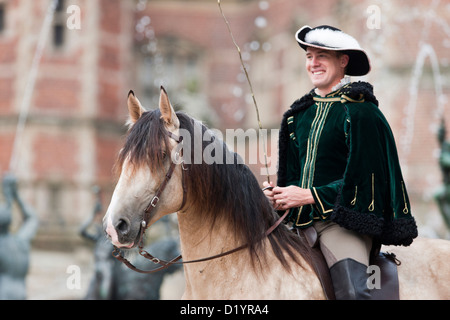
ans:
(75, 124)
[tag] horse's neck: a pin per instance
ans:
(199, 240)
(233, 276)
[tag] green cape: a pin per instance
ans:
(342, 148)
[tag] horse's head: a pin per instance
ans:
(143, 164)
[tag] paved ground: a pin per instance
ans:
(51, 274)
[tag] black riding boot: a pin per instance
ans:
(349, 279)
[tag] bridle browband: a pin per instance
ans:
(146, 219)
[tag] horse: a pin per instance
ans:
(221, 207)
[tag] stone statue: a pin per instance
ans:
(102, 282)
(131, 285)
(443, 195)
(112, 279)
(14, 248)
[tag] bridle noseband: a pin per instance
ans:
(147, 216)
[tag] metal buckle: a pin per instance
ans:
(154, 201)
(155, 260)
(148, 256)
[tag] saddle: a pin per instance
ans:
(386, 262)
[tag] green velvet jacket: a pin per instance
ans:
(342, 148)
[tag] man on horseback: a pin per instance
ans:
(338, 165)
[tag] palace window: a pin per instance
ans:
(2, 17)
(178, 66)
(59, 25)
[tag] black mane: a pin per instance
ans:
(221, 191)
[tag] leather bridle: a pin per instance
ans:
(146, 219)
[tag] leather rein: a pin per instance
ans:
(147, 215)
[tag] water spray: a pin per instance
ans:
(28, 94)
(251, 89)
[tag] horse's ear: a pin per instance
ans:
(167, 111)
(135, 108)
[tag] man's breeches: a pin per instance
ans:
(338, 243)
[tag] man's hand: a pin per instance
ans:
(283, 198)
(291, 197)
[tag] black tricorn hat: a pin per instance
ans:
(330, 38)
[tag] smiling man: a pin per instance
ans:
(339, 171)
(325, 68)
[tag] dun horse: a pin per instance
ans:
(220, 207)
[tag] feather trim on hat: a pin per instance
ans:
(331, 38)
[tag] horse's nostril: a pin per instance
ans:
(122, 227)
